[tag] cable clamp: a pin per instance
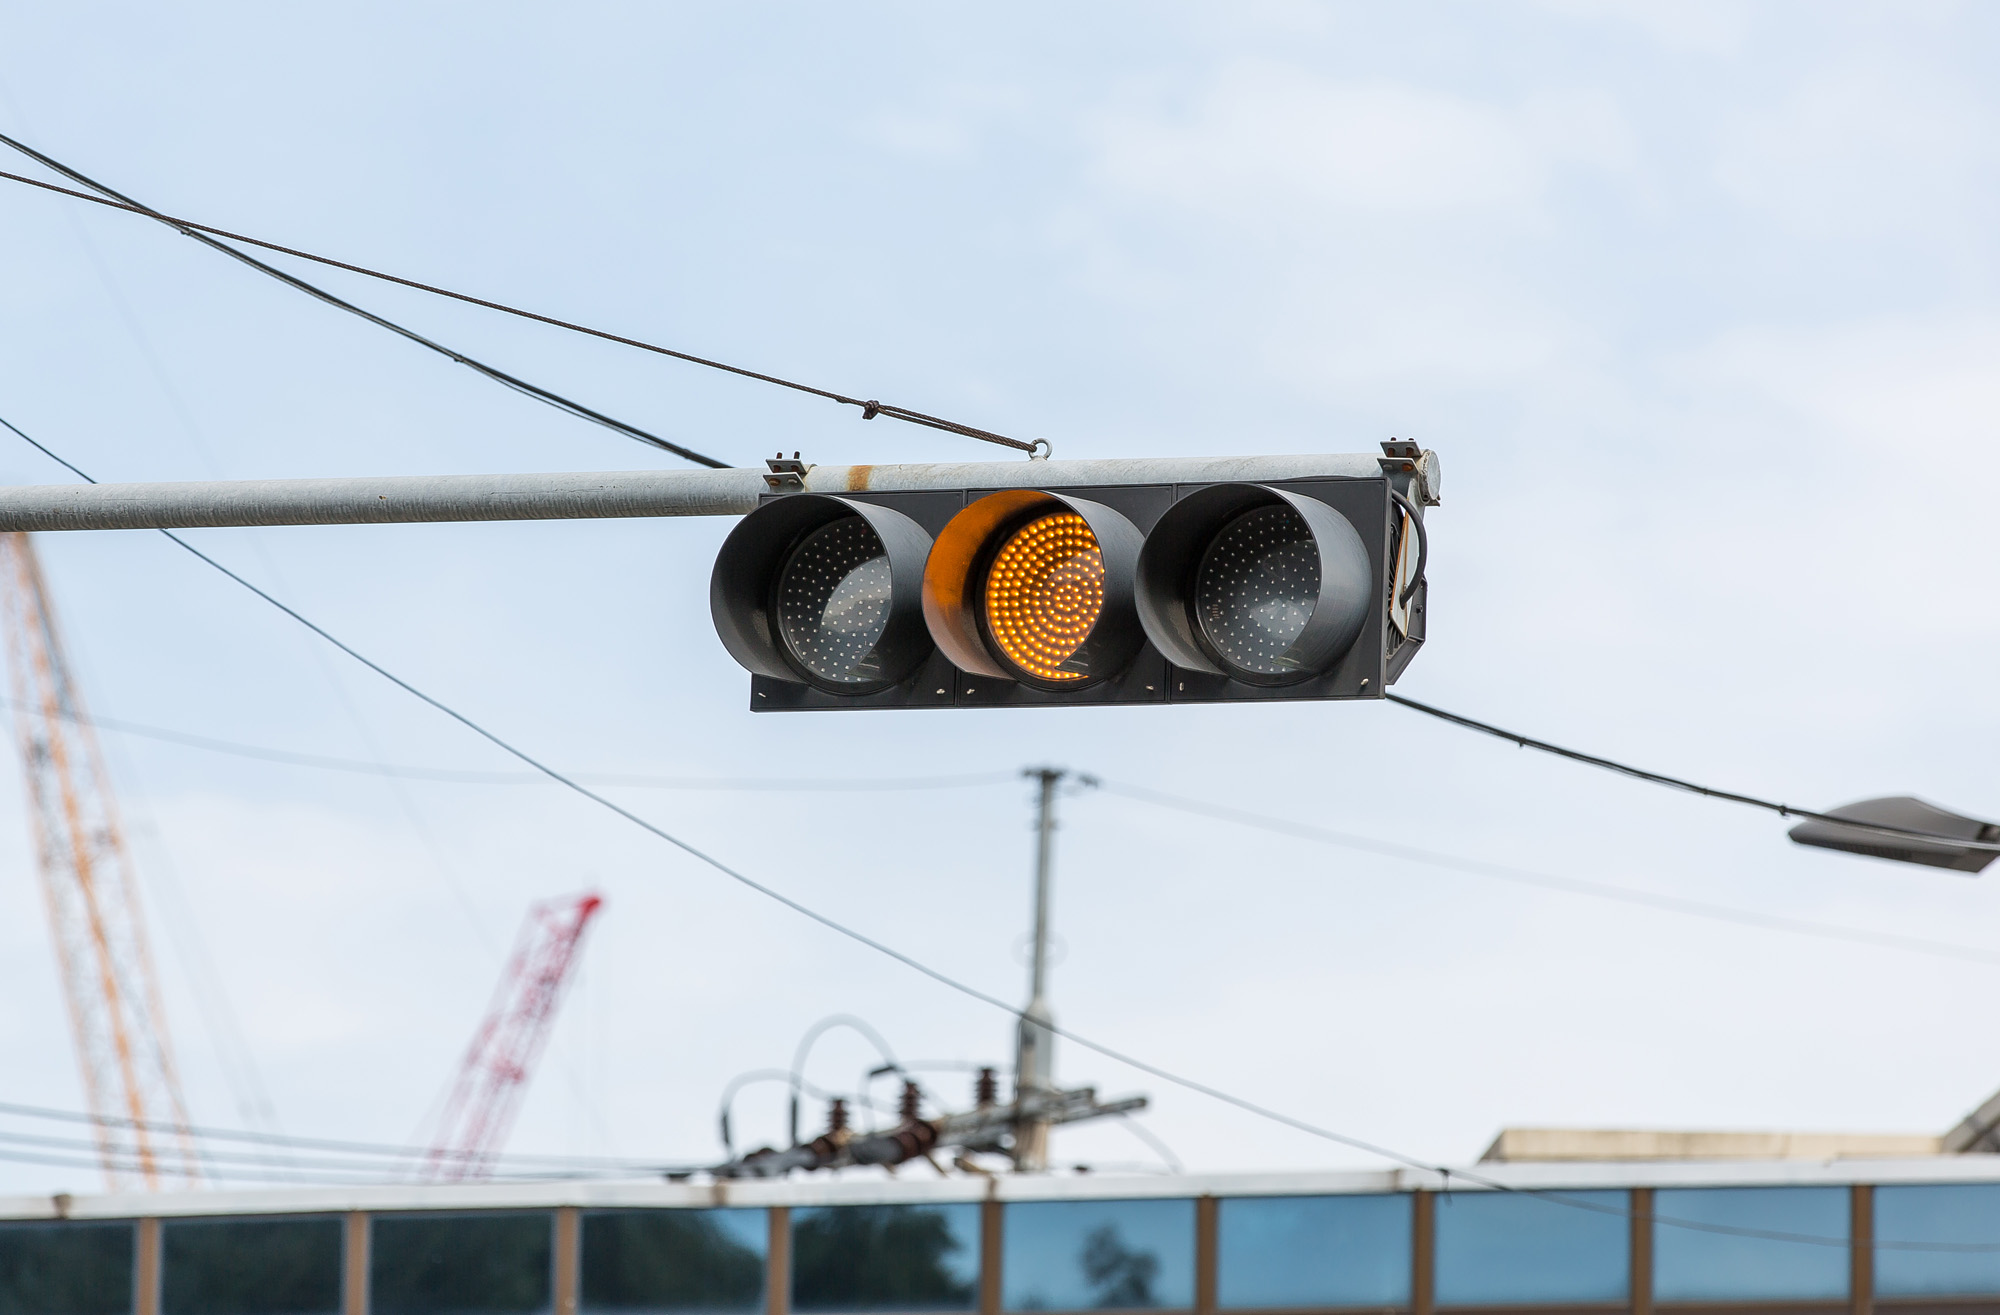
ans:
(870, 409)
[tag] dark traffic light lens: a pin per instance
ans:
(1256, 589)
(833, 602)
(1044, 593)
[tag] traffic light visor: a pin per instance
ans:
(1260, 584)
(823, 591)
(1029, 586)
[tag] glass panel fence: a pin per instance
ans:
(250, 1266)
(1960, 1220)
(66, 1269)
(477, 1264)
(1710, 1263)
(885, 1258)
(1093, 1255)
(1512, 1248)
(1313, 1251)
(674, 1260)
(1710, 1245)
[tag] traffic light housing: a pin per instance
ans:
(1052, 595)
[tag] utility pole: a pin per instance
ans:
(1020, 1130)
(1034, 1057)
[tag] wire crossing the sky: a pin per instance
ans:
(1284, 826)
(1604, 890)
(944, 979)
(1676, 783)
(870, 408)
(519, 385)
(974, 993)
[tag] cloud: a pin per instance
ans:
(1708, 27)
(1848, 517)
(1269, 138)
(1865, 148)
(932, 136)
(1902, 387)
(1366, 223)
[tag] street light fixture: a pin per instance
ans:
(1904, 814)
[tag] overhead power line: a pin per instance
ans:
(276, 1172)
(1571, 885)
(365, 1150)
(870, 408)
(1143, 794)
(1676, 783)
(944, 979)
(214, 1162)
(454, 776)
(514, 382)
(804, 910)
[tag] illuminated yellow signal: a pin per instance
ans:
(1044, 594)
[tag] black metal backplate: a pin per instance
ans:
(1149, 678)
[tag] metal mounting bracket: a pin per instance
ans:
(787, 476)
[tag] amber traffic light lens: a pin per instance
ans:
(1044, 593)
(833, 602)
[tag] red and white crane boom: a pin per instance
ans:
(493, 1077)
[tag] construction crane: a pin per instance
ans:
(492, 1079)
(122, 1044)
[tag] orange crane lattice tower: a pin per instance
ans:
(122, 1045)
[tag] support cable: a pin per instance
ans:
(325, 1177)
(870, 408)
(751, 883)
(213, 1160)
(1676, 783)
(1279, 825)
(1298, 830)
(944, 979)
(453, 776)
(383, 1150)
(519, 385)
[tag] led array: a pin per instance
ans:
(1257, 588)
(1044, 593)
(833, 602)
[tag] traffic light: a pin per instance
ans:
(1057, 593)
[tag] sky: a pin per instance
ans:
(1697, 303)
